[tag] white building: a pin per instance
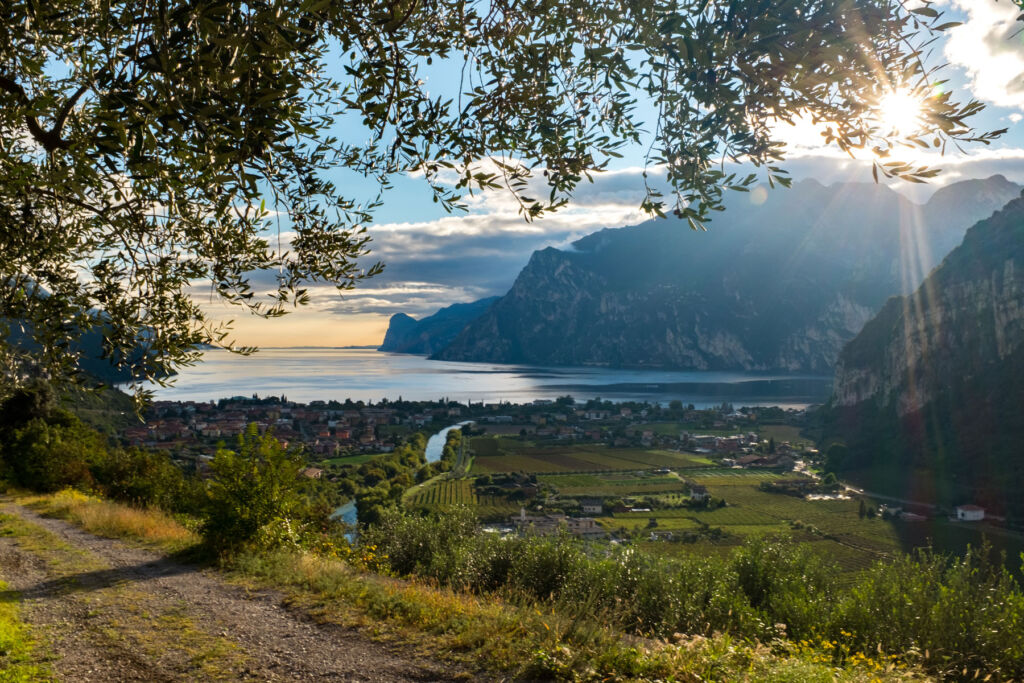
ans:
(970, 513)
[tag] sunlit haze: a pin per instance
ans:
(900, 112)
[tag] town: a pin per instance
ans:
(332, 430)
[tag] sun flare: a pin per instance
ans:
(899, 112)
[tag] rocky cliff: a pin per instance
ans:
(407, 335)
(968, 315)
(778, 286)
(934, 383)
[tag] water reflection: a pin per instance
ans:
(309, 374)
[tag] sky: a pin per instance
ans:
(433, 259)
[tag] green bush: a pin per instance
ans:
(254, 496)
(144, 478)
(960, 613)
(53, 453)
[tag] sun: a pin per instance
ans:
(899, 113)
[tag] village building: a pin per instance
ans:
(969, 513)
(592, 506)
(550, 524)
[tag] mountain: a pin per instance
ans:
(89, 343)
(431, 334)
(927, 398)
(780, 285)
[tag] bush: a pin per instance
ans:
(147, 479)
(963, 614)
(50, 454)
(253, 498)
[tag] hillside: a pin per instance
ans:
(927, 397)
(781, 286)
(431, 334)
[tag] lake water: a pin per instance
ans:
(308, 374)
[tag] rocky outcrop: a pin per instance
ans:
(407, 335)
(780, 286)
(927, 398)
(964, 320)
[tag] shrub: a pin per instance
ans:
(964, 614)
(144, 478)
(50, 454)
(253, 489)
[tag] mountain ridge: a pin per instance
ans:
(928, 394)
(776, 287)
(405, 334)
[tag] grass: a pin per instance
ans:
(19, 652)
(114, 520)
(353, 459)
(782, 433)
(499, 633)
(611, 484)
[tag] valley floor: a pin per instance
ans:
(99, 609)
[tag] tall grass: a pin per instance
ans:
(956, 616)
(538, 608)
(116, 520)
(518, 635)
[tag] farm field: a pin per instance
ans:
(853, 542)
(782, 433)
(640, 521)
(675, 428)
(353, 459)
(445, 492)
(611, 484)
(779, 432)
(513, 455)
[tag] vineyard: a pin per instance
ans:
(512, 455)
(447, 492)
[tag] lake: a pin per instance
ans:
(309, 374)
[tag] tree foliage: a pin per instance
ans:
(150, 151)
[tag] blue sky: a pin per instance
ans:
(434, 259)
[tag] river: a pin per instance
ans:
(348, 512)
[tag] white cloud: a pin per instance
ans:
(989, 47)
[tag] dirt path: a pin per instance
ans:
(111, 612)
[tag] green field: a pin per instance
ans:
(445, 492)
(833, 526)
(611, 484)
(782, 433)
(353, 459)
(514, 455)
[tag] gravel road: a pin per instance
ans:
(111, 612)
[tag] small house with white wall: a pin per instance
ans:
(970, 513)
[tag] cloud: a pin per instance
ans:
(989, 47)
